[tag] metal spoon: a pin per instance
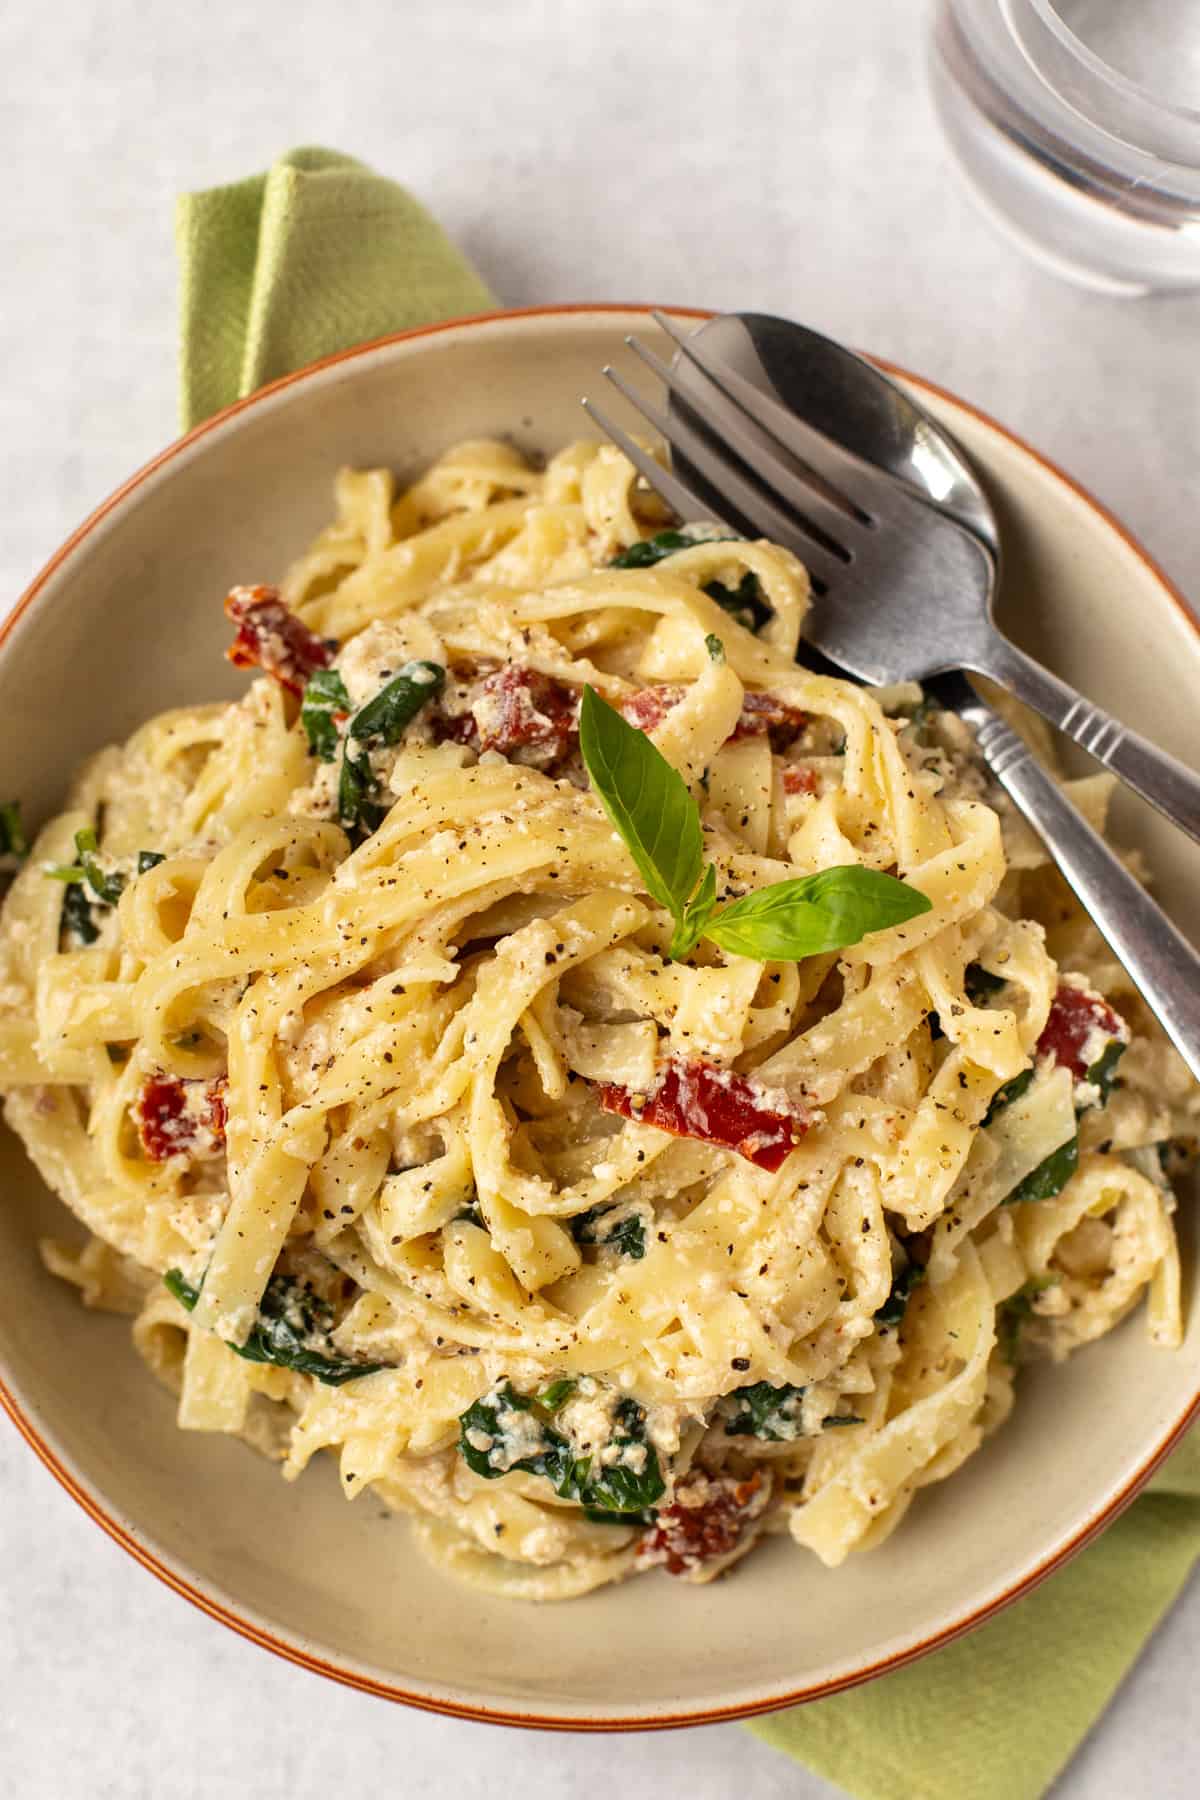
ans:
(853, 403)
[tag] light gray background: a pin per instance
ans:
(770, 154)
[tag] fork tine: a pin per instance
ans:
(835, 464)
(760, 450)
(665, 482)
(752, 501)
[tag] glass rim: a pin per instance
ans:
(1134, 90)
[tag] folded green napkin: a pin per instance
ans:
(317, 254)
(321, 253)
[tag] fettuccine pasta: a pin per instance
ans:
(341, 1019)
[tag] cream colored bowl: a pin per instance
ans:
(126, 620)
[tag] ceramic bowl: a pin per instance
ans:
(126, 620)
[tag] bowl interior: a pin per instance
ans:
(129, 622)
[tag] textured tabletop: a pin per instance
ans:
(773, 155)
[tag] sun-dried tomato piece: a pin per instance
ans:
(799, 780)
(1080, 1026)
(769, 713)
(702, 1100)
(649, 706)
(271, 638)
(181, 1117)
(761, 713)
(708, 1520)
(518, 708)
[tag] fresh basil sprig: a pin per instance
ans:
(648, 802)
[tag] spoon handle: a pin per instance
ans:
(1164, 966)
(1157, 776)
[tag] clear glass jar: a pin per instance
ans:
(1077, 124)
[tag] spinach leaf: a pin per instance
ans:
(557, 1393)
(1102, 1073)
(1050, 1177)
(13, 842)
(106, 887)
(659, 822)
(652, 550)
(894, 1307)
(77, 921)
(324, 696)
(357, 788)
(763, 1411)
(291, 1331)
(1013, 1314)
(381, 721)
(486, 1444)
(628, 1234)
(744, 602)
(979, 983)
(1004, 1096)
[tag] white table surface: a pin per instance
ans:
(774, 155)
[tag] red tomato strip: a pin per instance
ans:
(761, 713)
(271, 638)
(516, 707)
(1079, 1025)
(702, 1100)
(177, 1117)
(710, 1518)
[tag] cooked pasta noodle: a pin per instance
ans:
(368, 1041)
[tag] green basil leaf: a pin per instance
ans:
(814, 914)
(400, 701)
(1050, 1177)
(696, 914)
(646, 799)
(324, 696)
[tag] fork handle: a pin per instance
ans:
(1157, 776)
(1163, 964)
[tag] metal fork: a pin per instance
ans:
(1161, 961)
(856, 532)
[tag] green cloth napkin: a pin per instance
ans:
(321, 253)
(317, 254)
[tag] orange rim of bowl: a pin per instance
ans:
(294, 1652)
